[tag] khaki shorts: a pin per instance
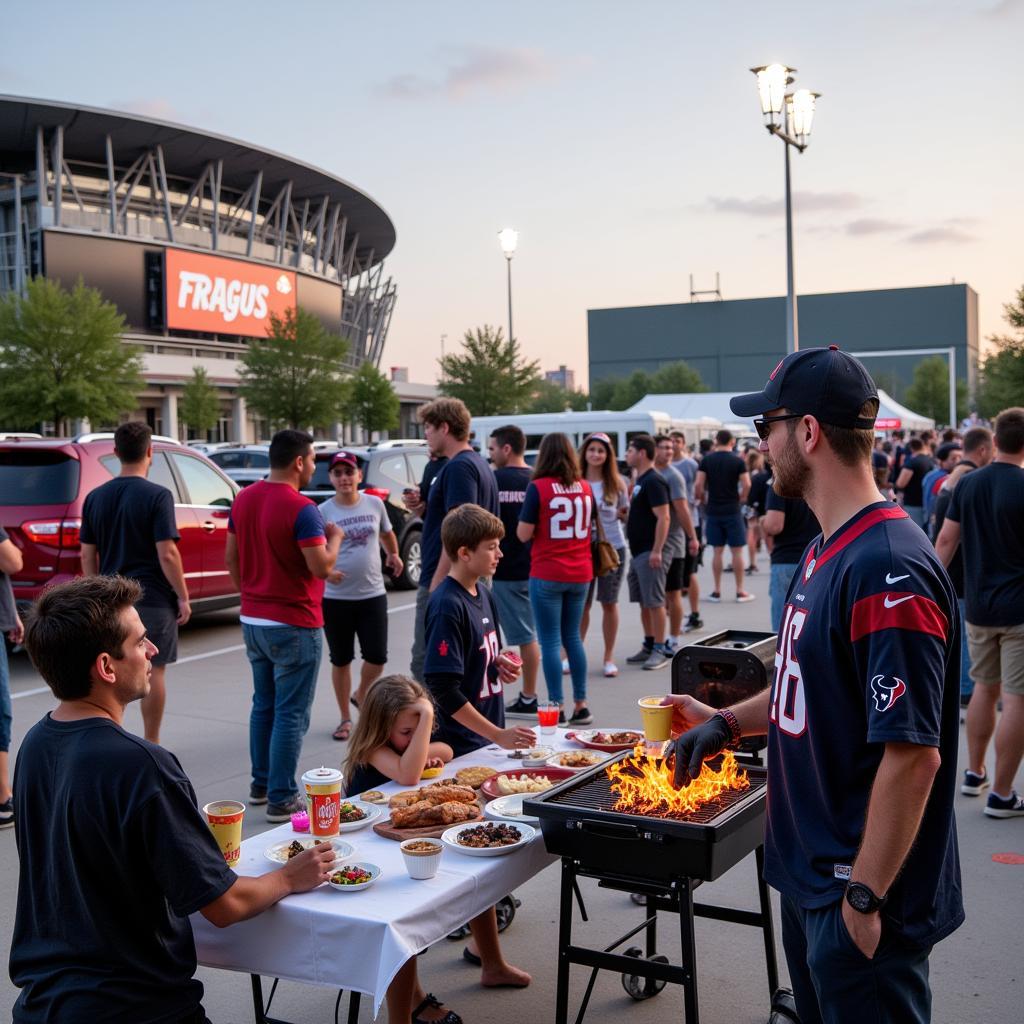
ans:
(997, 656)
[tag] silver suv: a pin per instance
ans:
(244, 463)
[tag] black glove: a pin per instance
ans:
(695, 747)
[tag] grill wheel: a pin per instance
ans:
(642, 988)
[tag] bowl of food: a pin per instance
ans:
(526, 783)
(611, 741)
(422, 857)
(537, 757)
(490, 839)
(354, 815)
(354, 877)
(577, 760)
(281, 853)
(509, 808)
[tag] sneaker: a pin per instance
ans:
(640, 657)
(974, 784)
(743, 597)
(257, 795)
(610, 670)
(7, 813)
(670, 645)
(581, 717)
(714, 597)
(1011, 806)
(659, 659)
(565, 666)
(693, 622)
(751, 568)
(562, 723)
(284, 812)
(520, 708)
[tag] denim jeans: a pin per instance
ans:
(6, 718)
(782, 576)
(285, 661)
(557, 613)
(966, 683)
(419, 634)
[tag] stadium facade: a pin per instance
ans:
(735, 344)
(195, 237)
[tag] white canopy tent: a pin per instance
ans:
(715, 405)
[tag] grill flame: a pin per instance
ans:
(644, 785)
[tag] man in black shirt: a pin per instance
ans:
(511, 584)
(724, 482)
(114, 854)
(986, 517)
(910, 479)
(129, 529)
(793, 526)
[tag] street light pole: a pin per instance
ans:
(508, 266)
(509, 238)
(792, 327)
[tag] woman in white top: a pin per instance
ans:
(611, 495)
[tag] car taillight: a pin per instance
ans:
(54, 533)
(378, 492)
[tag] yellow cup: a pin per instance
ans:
(657, 720)
(225, 820)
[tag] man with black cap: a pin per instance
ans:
(862, 717)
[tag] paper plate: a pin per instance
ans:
(510, 808)
(450, 839)
(278, 853)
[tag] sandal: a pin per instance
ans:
(343, 730)
(471, 958)
(451, 1017)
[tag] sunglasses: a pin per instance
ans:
(763, 426)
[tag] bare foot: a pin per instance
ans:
(505, 976)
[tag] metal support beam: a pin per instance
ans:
(254, 209)
(19, 252)
(949, 353)
(57, 159)
(283, 214)
(111, 184)
(41, 183)
(329, 241)
(216, 177)
(162, 171)
(320, 225)
(300, 231)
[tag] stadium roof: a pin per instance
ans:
(186, 151)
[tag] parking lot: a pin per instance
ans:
(976, 973)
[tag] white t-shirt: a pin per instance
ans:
(359, 555)
(610, 522)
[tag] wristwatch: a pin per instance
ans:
(862, 899)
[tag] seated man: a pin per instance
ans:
(114, 852)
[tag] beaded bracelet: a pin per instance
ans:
(734, 726)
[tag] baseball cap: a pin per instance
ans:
(598, 436)
(821, 382)
(945, 450)
(343, 459)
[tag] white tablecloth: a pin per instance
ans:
(358, 941)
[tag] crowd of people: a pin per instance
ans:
(514, 555)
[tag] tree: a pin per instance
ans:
(490, 375)
(62, 357)
(372, 402)
(552, 397)
(199, 406)
(928, 394)
(294, 376)
(1002, 372)
(677, 378)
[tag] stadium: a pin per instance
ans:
(195, 237)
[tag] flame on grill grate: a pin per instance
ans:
(644, 785)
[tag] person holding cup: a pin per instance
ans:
(110, 824)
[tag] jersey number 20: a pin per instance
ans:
(788, 708)
(570, 517)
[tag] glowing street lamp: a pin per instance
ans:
(788, 116)
(509, 239)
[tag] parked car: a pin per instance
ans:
(43, 485)
(244, 463)
(386, 472)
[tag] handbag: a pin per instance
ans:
(604, 555)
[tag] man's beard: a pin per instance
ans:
(791, 471)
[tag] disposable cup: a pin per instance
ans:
(421, 864)
(657, 719)
(225, 820)
(547, 718)
(323, 800)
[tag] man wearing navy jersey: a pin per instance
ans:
(862, 717)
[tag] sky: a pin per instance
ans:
(622, 141)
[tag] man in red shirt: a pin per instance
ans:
(279, 552)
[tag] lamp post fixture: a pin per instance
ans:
(787, 116)
(509, 238)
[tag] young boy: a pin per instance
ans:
(464, 672)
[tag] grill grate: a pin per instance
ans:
(596, 794)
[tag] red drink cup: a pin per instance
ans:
(547, 718)
(512, 658)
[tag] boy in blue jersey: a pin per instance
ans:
(465, 672)
(862, 717)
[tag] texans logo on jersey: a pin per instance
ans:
(442, 648)
(885, 696)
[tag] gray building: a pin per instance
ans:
(735, 344)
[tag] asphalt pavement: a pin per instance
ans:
(977, 973)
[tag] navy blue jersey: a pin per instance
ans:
(512, 482)
(461, 661)
(868, 653)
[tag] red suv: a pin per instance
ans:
(43, 484)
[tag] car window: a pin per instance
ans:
(34, 477)
(159, 472)
(257, 460)
(392, 472)
(228, 460)
(204, 485)
(417, 465)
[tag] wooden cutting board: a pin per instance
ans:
(386, 830)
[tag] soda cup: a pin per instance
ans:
(657, 720)
(323, 800)
(547, 718)
(225, 820)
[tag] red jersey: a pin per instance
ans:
(560, 551)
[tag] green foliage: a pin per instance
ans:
(670, 379)
(372, 402)
(677, 378)
(294, 377)
(1002, 372)
(62, 357)
(551, 397)
(199, 406)
(928, 394)
(490, 375)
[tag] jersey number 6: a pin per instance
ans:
(788, 708)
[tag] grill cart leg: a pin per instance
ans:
(767, 928)
(689, 951)
(564, 941)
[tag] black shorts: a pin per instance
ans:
(161, 625)
(674, 578)
(367, 619)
